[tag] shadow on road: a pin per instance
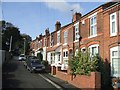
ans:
(8, 77)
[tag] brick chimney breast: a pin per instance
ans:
(57, 26)
(47, 32)
(76, 17)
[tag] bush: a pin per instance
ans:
(45, 63)
(83, 64)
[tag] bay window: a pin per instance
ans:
(115, 61)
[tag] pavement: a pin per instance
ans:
(65, 85)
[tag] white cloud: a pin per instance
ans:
(62, 5)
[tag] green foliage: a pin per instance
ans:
(9, 30)
(83, 64)
(105, 78)
(45, 63)
(40, 56)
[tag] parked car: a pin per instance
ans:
(21, 57)
(34, 65)
(28, 58)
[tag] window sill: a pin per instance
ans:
(65, 57)
(64, 44)
(76, 41)
(58, 44)
(92, 36)
(113, 35)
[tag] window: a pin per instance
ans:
(51, 41)
(59, 57)
(58, 37)
(113, 27)
(76, 52)
(83, 50)
(77, 32)
(93, 31)
(65, 54)
(44, 41)
(119, 21)
(94, 49)
(115, 61)
(65, 36)
(52, 58)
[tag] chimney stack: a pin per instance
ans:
(57, 26)
(47, 32)
(40, 36)
(76, 17)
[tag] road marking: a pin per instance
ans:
(57, 86)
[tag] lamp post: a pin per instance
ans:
(10, 44)
(24, 45)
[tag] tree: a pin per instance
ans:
(9, 30)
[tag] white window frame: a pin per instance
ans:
(44, 42)
(76, 32)
(76, 52)
(117, 56)
(58, 37)
(82, 49)
(51, 41)
(66, 54)
(52, 57)
(111, 21)
(66, 37)
(94, 25)
(119, 21)
(90, 49)
(65, 58)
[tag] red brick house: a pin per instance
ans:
(98, 31)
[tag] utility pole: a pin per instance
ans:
(72, 10)
(10, 44)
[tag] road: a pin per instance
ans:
(15, 75)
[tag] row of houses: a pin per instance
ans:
(98, 31)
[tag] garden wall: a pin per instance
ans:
(81, 81)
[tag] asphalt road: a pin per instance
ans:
(15, 75)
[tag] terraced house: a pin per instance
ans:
(98, 31)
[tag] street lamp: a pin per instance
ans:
(10, 44)
(24, 45)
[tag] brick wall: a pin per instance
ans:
(81, 81)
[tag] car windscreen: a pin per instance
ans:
(36, 62)
(32, 57)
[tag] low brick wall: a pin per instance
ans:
(81, 81)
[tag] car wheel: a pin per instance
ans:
(27, 68)
(31, 71)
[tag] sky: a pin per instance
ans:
(33, 18)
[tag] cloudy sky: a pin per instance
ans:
(33, 18)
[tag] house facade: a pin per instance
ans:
(98, 31)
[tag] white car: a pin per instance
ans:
(22, 57)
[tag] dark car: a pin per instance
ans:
(34, 65)
(28, 58)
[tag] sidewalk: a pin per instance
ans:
(65, 85)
